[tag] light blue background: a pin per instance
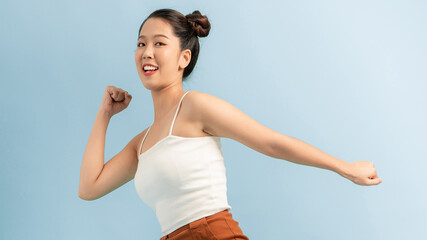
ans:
(348, 77)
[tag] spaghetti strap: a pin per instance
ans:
(140, 147)
(173, 121)
(170, 131)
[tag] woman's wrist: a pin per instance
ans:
(104, 114)
(345, 170)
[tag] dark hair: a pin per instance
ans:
(187, 28)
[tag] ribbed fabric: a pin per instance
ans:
(182, 179)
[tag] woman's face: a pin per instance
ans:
(158, 46)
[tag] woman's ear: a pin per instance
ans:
(185, 58)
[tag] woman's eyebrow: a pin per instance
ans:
(157, 35)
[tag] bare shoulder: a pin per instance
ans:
(196, 101)
(220, 118)
(136, 141)
(205, 106)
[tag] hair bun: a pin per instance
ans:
(199, 24)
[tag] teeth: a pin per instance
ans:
(150, 68)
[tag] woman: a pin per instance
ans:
(177, 162)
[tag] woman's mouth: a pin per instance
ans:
(149, 70)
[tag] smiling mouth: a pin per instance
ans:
(151, 69)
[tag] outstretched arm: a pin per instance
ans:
(297, 151)
(222, 119)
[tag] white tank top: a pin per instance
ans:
(182, 178)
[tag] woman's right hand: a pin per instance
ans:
(114, 100)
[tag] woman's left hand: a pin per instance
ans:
(363, 173)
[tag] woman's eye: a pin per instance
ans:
(139, 44)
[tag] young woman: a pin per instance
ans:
(177, 163)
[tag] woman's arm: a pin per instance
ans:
(120, 169)
(297, 151)
(93, 157)
(222, 119)
(97, 179)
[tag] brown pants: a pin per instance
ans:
(219, 226)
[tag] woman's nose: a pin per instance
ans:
(148, 52)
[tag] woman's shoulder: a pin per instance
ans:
(194, 104)
(136, 140)
(196, 98)
(200, 105)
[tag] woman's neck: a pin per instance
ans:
(165, 101)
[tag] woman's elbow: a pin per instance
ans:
(86, 196)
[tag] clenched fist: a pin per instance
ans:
(114, 100)
(363, 173)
